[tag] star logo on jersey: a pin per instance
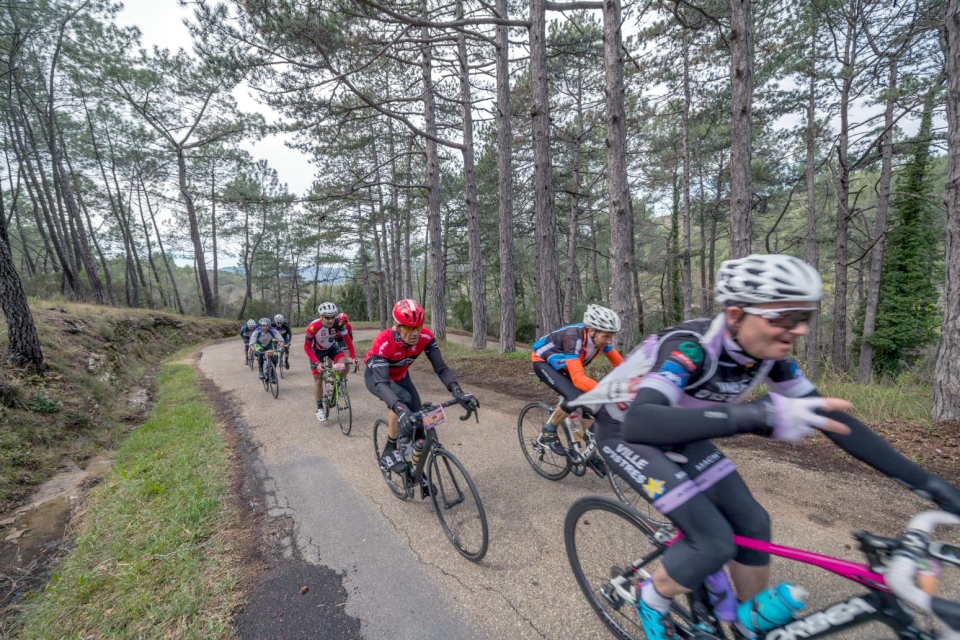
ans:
(653, 488)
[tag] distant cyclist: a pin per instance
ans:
(387, 376)
(281, 325)
(320, 344)
(245, 331)
(261, 340)
(345, 336)
(656, 430)
(559, 360)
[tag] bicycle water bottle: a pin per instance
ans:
(417, 450)
(772, 608)
(720, 592)
(407, 446)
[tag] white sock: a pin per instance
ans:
(652, 597)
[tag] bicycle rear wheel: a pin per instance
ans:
(397, 482)
(604, 539)
(629, 496)
(458, 505)
(344, 410)
(543, 460)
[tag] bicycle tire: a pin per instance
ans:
(280, 365)
(436, 476)
(266, 378)
(274, 382)
(395, 481)
(343, 399)
(528, 445)
(629, 497)
(617, 619)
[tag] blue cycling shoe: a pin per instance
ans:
(657, 626)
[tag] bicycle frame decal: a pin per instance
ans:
(841, 614)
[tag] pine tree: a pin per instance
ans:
(908, 316)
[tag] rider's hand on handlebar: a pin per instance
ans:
(467, 400)
(794, 419)
(408, 422)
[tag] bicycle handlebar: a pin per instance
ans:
(475, 411)
(902, 571)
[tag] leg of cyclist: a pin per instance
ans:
(317, 371)
(707, 542)
(564, 386)
(408, 395)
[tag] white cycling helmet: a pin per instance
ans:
(762, 278)
(251, 323)
(601, 318)
(264, 322)
(278, 319)
(327, 309)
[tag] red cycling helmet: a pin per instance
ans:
(343, 318)
(408, 313)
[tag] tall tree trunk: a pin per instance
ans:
(594, 268)
(474, 249)
(638, 296)
(438, 276)
(408, 289)
(865, 367)
(544, 206)
(741, 98)
(396, 284)
(508, 296)
(213, 229)
(620, 210)
(163, 253)
(687, 275)
(813, 253)
(946, 386)
(381, 284)
(572, 276)
(363, 264)
(705, 292)
(209, 307)
(153, 265)
(839, 344)
(21, 330)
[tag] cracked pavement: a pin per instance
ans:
(403, 578)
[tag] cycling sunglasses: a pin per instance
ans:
(788, 319)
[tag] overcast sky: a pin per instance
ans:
(161, 22)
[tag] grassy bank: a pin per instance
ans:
(94, 390)
(152, 557)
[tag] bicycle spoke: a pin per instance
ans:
(463, 519)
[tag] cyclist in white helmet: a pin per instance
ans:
(559, 359)
(245, 330)
(656, 430)
(280, 324)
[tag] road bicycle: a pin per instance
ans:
(282, 352)
(455, 500)
(270, 380)
(250, 362)
(336, 394)
(611, 547)
(582, 453)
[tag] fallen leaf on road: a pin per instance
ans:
(303, 590)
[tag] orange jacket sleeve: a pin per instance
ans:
(614, 357)
(578, 376)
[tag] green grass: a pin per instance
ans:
(907, 399)
(152, 558)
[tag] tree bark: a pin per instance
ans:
(213, 229)
(163, 253)
(438, 276)
(687, 274)
(368, 291)
(153, 264)
(544, 205)
(741, 90)
(865, 368)
(21, 330)
(408, 290)
(508, 304)
(813, 254)
(946, 386)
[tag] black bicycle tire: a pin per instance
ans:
(386, 474)
(472, 557)
(616, 507)
(274, 382)
(349, 409)
(616, 481)
(280, 365)
(556, 477)
(266, 378)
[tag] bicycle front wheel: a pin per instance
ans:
(397, 482)
(610, 544)
(344, 410)
(458, 505)
(543, 460)
(274, 382)
(280, 365)
(266, 377)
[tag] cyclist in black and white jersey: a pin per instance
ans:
(280, 324)
(660, 409)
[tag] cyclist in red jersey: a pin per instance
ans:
(387, 377)
(345, 336)
(320, 344)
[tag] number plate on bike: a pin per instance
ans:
(433, 418)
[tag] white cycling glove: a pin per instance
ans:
(793, 419)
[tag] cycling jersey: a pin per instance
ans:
(318, 338)
(285, 331)
(390, 358)
(569, 350)
(345, 336)
(245, 332)
(264, 340)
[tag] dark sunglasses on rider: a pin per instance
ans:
(788, 319)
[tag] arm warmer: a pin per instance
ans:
(578, 376)
(380, 370)
(652, 421)
(614, 357)
(439, 366)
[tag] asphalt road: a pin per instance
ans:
(402, 577)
